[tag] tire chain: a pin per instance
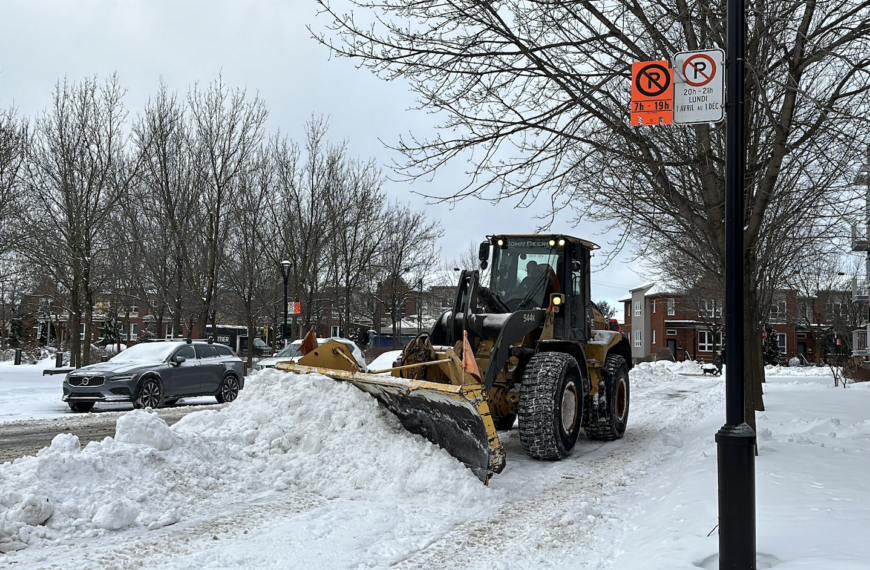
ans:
(604, 431)
(538, 402)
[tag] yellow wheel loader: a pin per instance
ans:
(546, 354)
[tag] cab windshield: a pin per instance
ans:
(525, 272)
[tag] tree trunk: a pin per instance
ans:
(753, 358)
(249, 322)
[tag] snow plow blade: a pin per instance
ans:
(455, 417)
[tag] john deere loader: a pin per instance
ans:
(529, 345)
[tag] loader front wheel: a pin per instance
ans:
(616, 399)
(551, 405)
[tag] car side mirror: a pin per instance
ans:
(180, 360)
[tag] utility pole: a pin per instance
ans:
(735, 441)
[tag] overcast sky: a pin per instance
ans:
(262, 46)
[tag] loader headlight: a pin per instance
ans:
(557, 301)
(552, 243)
(500, 242)
(561, 242)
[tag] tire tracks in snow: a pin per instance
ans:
(573, 513)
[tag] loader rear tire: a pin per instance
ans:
(616, 392)
(551, 405)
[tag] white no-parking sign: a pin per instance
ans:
(699, 93)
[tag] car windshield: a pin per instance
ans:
(146, 352)
(290, 351)
(524, 271)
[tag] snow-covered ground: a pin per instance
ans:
(306, 472)
(25, 393)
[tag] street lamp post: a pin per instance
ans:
(285, 271)
(736, 439)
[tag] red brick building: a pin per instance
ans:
(692, 327)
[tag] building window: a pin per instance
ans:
(705, 341)
(81, 331)
(833, 311)
(334, 331)
(637, 306)
(802, 335)
(671, 307)
(777, 311)
(710, 309)
(134, 331)
(780, 337)
(671, 332)
(169, 333)
(654, 305)
(637, 339)
(654, 337)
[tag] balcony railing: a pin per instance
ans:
(859, 290)
(859, 343)
(859, 242)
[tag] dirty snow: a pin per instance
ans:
(305, 472)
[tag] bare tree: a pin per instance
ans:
(78, 170)
(225, 132)
(166, 197)
(357, 210)
(299, 217)
(248, 268)
(406, 255)
(14, 136)
(539, 93)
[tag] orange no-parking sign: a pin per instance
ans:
(652, 93)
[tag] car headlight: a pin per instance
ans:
(122, 378)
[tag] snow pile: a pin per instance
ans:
(811, 507)
(284, 432)
(667, 369)
(771, 370)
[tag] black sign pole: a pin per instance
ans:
(735, 441)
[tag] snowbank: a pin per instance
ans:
(284, 432)
(771, 370)
(667, 368)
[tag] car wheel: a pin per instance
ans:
(229, 389)
(81, 407)
(149, 395)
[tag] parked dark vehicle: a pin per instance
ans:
(153, 374)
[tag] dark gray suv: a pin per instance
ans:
(152, 374)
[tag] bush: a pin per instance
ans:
(664, 353)
(857, 369)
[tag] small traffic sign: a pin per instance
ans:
(699, 94)
(652, 93)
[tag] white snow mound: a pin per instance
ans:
(144, 428)
(285, 431)
(117, 514)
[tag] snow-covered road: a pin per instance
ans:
(305, 472)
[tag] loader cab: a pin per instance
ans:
(527, 269)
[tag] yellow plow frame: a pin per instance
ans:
(454, 416)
